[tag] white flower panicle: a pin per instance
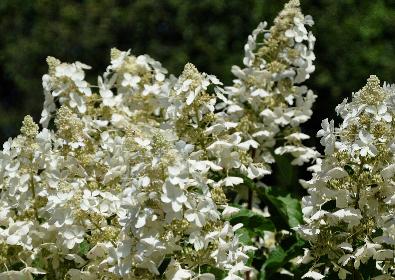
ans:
(132, 88)
(128, 178)
(65, 82)
(192, 112)
(268, 99)
(120, 189)
(350, 212)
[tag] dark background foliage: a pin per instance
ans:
(355, 38)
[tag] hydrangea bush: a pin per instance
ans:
(146, 175)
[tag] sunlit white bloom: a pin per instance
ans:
(17, 234)
(327, 136)
(173, 195)
(73, 235)
(352, 187)
(135, 170)
(130, 81)
(90, 200)
(314, 275)
(365, 144)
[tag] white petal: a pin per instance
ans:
(313, 274)
(337, 173)
(13, 239)
(232, 181)
(388, 171)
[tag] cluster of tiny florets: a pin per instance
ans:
(121, 188)
(128, 178)
(267, 93)
(350, 211)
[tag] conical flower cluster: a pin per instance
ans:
(128, 178)
(121, 188)
(268, 98)
(350, 212)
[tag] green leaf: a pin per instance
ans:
(291, 207)
(280, 203)
(252, 221)
(245, 236)
(218, 273)
(274, 261)
(84, 247)
(286, 206)
(284, 171)
(278, 258)
(349, 169)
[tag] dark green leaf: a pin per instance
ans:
(252, 221)
(84, 247)
(278, 258)
(245, 236)
(275, 260)
(284, 171)
(368, 270)
(163, 266)
(349, 169)
(219, 274)
(287, 207)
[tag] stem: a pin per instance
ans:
(249, 206)
(356, 275)
(357, 195)
(196, 115)
(250, 198)
(33, 190)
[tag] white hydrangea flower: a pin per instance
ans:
(365, 144)
(130, 81)
(119, 183)
(347, 215)
(267, 92)
(72, 235)
(173, 195)
(135, 169)
(327, 134)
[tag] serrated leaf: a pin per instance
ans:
(286, 206)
